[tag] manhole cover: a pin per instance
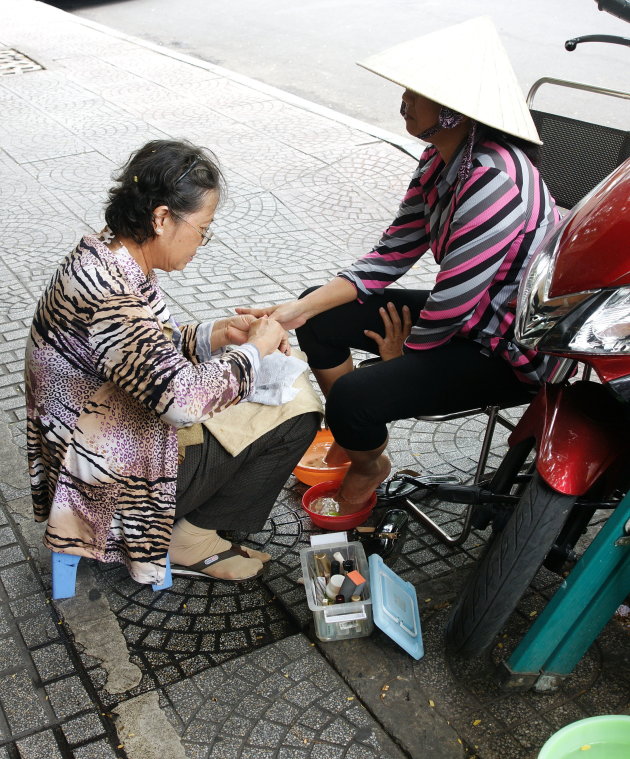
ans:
(14, 62)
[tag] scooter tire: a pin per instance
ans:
(508, 567)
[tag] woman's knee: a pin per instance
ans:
(350, 402)
(297, 433)
(306, 428)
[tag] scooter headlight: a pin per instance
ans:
(600, 326)
(536, 312)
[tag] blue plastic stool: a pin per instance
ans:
(64, 575)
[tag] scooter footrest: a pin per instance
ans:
(406, 482)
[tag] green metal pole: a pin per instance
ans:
(581, 606)
(587, 628)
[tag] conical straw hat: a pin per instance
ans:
(464, 67)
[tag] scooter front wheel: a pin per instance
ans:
(507, 568)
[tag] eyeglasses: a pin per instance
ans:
(205, 232)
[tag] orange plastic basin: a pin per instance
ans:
(312, 475)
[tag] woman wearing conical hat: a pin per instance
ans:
(478, 204)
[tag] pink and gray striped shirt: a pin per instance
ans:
(482, 233)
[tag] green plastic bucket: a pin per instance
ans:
(606, 737)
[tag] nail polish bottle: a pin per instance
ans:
(322, 565)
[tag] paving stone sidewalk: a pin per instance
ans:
(210, 669)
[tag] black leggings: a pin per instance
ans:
(453, 377)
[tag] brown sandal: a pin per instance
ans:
(196, 570)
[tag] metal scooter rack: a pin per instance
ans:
(577, 155)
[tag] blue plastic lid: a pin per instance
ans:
(395, 607)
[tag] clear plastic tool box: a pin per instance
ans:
(339, 621)
(385, 598)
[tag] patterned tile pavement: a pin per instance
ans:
(233, 667)
(49, 706)
(289, 707)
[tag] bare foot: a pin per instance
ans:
(360, 482)
(336, 456)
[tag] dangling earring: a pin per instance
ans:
(465, 166)
(447, 119)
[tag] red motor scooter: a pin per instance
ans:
(575, 303)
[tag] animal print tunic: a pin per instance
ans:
(106, 390)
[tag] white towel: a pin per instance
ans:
(238, 426)
(274, 381)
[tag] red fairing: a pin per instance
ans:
(578, 432)
(595, 247)
(609, 367)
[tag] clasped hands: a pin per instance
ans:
(264, 332)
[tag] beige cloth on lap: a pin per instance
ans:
(238, 426)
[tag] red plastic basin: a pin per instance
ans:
(346, 522)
